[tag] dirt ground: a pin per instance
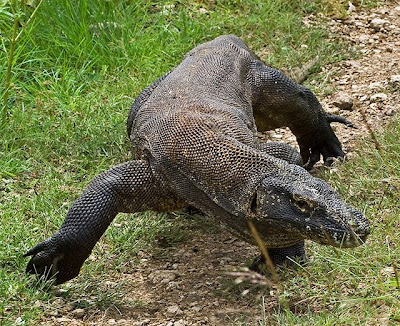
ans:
(187, 284)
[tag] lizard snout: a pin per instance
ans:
(361, 229)
(362, 232)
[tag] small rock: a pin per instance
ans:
(374, 106)
(333, 110)
(78, 313)
(203, 11)
(180, 322)
(58, 302)
(111, 322)
(196, 308)
(53, 313)
(363, 38)
(377, 24)
(163, 276)
(351, 8)
(19, 321)
(379, 97)
(395, 79)
(70, 306)
(343, 101)
(173, 285)
(63, 320)
(174, 310)
(389, 112)
(363, 98)
(375, 85)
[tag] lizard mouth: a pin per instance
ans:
(342, 238)
(347, 232)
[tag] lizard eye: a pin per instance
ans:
(302, 205)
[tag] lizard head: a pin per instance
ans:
(299, 206)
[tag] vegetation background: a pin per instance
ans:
(69, 71)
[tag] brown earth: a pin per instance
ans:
(187, 284)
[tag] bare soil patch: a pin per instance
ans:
(187, 284)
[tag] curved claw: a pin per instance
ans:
(325, 144)
(36, 249)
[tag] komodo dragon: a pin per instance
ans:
(194, 141)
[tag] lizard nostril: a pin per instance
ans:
(362, 231)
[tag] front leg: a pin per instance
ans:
(280, 102)
(281, 150)
(281, 257)
(129, 187)
(285, 256)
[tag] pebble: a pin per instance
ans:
(163, 276)
(343, 101)
(70, 306)
(78, 313)
(63, 320)
(196, 308)
(203, 11)
(377, 24)
(378, 97)
(375, 85)
(53, 313)
(58, 302)
(363, 38)
(389, 112)
(395, 79)
(174, 310)
(351, 8)
(180, 322)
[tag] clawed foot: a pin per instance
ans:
(50, 261)
(287, 257)
(324, 143)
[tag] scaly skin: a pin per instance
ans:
(194, 137)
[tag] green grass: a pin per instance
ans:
(77, 68)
